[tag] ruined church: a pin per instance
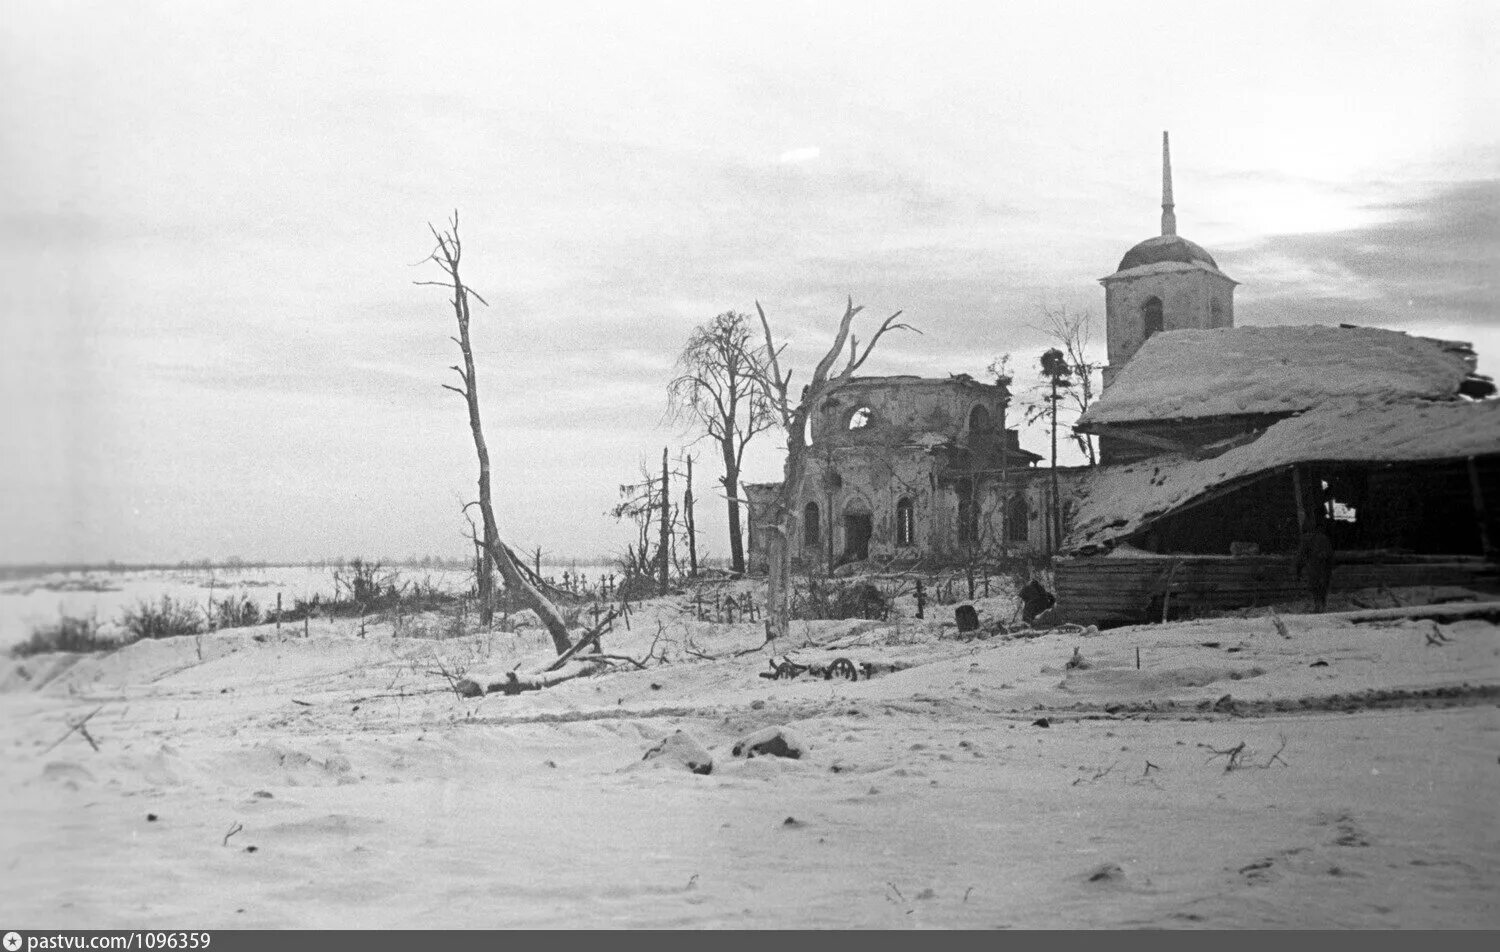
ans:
(1219, 446)
(916, 468)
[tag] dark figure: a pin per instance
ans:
(1034, 600)
(1314, 564)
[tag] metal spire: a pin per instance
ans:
(1168, 215)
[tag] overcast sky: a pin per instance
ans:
(211, 216)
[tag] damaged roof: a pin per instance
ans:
(1194, 374)
(1116, 502)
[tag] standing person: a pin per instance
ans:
(1314, 564)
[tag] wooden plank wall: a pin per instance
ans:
(1109, 590)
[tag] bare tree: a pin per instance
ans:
(1073, 330)
(793, 417)
(715, 388)
(1055, 369)
(648, 505)
(447, 255)
(639, 503)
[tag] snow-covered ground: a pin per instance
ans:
(250, 779)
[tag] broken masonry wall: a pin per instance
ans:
(872, 481)
(857, 479)
(760, 509)
(1000, 532)
(891, 411)
(863, 482)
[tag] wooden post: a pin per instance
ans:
(1054, 524)
(1486, 543)
(1301, 508)
(278, 611)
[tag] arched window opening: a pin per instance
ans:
(1017, 520)
(812, 530)
(979, 421)
(968, 512)
(861, 418)
(1151, 319)
(906, 523)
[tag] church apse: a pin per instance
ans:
(909, 468)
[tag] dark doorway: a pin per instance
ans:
(857, 529)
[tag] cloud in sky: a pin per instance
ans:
(1426, 263)
(211, 219)
(805, 154)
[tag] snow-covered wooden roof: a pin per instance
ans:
(1194, 374)
(1118, 501)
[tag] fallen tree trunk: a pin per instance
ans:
(564, 668)
(590, 637)
(516, 682)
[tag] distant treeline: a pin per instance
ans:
(361, 589)
(19, 570)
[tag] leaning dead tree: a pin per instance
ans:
(448, 254)
(795, 416)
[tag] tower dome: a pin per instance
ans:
(1166, 248)
(1164, 283)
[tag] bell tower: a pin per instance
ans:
(1165, 283)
